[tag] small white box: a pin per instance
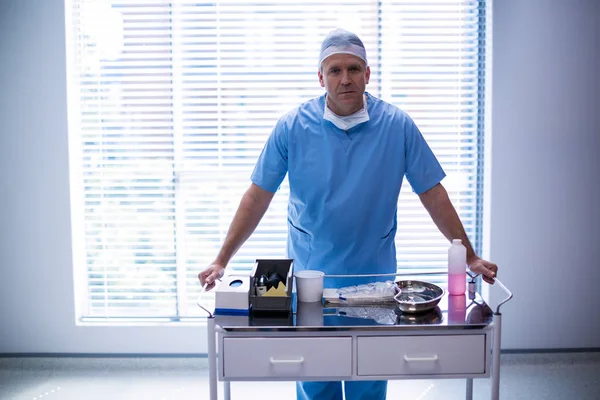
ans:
(232, 295)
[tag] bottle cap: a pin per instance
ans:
(456, 241)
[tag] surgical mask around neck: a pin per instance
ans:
(348, 121)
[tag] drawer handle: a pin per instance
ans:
(409, 359)
(296, 361)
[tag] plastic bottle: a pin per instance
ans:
(457, 267)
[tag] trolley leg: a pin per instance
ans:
(469, 389)
(212, 359)
(496, 357)
(227, 392)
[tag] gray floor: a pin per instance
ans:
(523, 376)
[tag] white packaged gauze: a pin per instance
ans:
(370, 293)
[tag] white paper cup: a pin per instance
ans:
(309, 285)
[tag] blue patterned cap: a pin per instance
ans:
(340, 41)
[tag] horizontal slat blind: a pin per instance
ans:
(170, 105)
(430, 68)
(121, 118)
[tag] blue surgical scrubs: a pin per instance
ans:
(344, 188)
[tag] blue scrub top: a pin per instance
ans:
(344, 186)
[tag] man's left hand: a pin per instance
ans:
(488, 270)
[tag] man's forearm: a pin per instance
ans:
(253, 206)
(445, 217)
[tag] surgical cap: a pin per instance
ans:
(340, 41)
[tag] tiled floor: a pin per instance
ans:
(564, 376)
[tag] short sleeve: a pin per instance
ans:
(423, 171)
(272, 164)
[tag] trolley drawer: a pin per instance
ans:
(287, 357)
(421, 355)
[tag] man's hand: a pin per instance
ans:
(444, 215)
(209, 275)
(252, 207)
(488, 270)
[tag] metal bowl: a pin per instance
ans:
(417, 296)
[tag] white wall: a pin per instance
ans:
(545, 170)
(545, 136)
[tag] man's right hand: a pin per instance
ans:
(210, 274)
(252, 207)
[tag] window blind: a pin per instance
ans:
(170, 103)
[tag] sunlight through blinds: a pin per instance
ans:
(170, 103)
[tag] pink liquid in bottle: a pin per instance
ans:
(457, 284)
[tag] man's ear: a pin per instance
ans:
(321, 81)
(368, 74)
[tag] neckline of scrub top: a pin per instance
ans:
(345, 137)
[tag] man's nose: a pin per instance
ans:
(345, 78)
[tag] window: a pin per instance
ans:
(170, 103)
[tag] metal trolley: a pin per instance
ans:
(226, 327)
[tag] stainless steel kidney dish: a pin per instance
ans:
(417, 296)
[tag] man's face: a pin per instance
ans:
(345, 77)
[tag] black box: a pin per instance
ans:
(285, 268)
